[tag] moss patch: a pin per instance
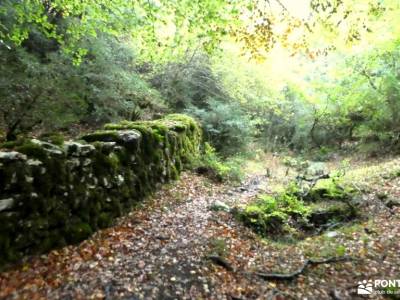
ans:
(64, 194)
(290, 213)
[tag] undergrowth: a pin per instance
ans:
(216, 168)
(298, 209)
(274, 214)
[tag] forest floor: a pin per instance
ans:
(175, 247)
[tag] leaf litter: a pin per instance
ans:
(162, 250)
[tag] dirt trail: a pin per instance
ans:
(160, 250)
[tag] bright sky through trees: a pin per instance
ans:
(299, 8)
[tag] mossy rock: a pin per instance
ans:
(105, 165)
(62, 194)
(327, 189)
(59, 217)
(188, 137)
(53, 138)
(262, 223)
(128, 138)
(331, 212)
(32, 150)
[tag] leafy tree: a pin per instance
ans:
(226, 125)
(38, 94)
(34, 94)
(154, 25)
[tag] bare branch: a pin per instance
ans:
(307, 263)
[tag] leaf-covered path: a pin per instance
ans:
(162, 250)
(157, 251)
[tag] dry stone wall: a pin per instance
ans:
(53, 195)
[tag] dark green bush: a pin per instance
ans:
(226, 126)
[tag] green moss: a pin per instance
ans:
(113, 161)
(273, 214)
(53, 138)
(102, 136)
(13, 144)
(32, 150)
(330, 189)
(119, 126)
(69, 204)
(105, 165)
(55, 175)
(8, 145)
(331, 212)
(174, 132)
(59, 216)
(5, 240)
(7, 249)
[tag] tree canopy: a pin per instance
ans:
(172, 27)
(303, 74)
(286, 113)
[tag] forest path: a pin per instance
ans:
(158, 251)
(161, 251)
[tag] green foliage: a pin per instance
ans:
(53, 94)
(300, 206)
(112, 87)
(158, 27)
(331, 189)
(139, 60)
(340, 250)
(225, 125)
(296, 27)
(211, 164)
(189, 82)
(194, 88)
(53, 138)
(297, 163)
(37, 94)
(274, 214)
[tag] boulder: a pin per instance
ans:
(76, 149)
(6, 204)
(128, 138)
(11, 156)
(48, 147)
(220, 206)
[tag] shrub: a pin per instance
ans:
(211, 165)
(45, 91)
(194, 88)
(226, 126)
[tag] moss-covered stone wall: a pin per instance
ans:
(53, 195)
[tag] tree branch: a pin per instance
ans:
(218, 260)
(302, 269)
(370, 81)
